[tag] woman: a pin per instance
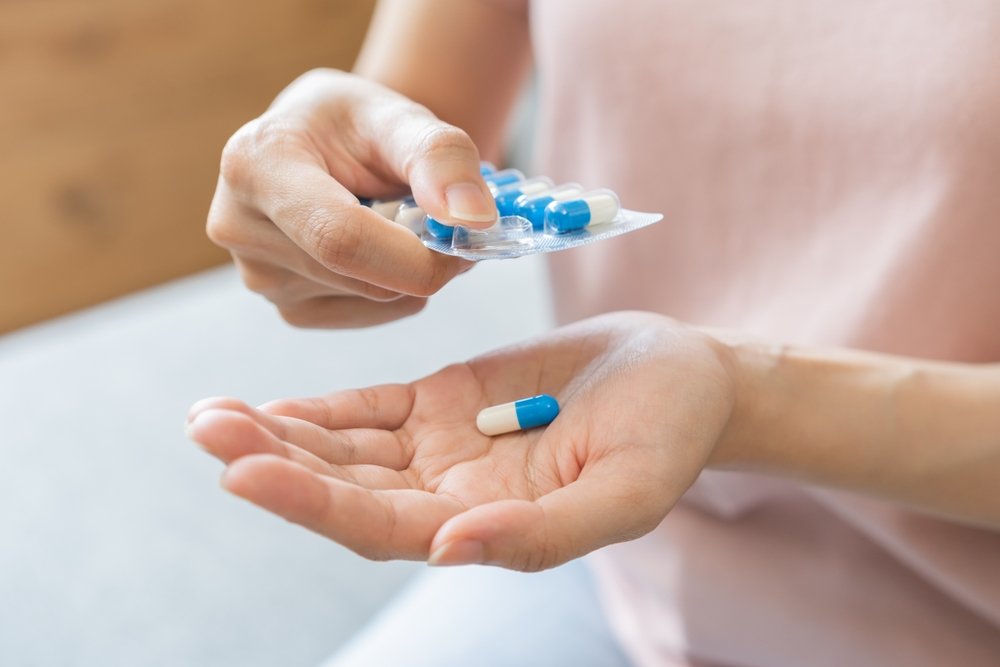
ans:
(828, 175)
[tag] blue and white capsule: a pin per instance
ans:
(533, 206)
(438, 230)
(593, 208)
(508, 195)
(410, 215)
(385, 208)
(499, 179)
(518, 416)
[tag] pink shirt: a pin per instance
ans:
(830, 174)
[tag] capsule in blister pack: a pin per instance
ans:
(499, 179)
(598, 207)
(506, 198)
(532, 206)
(409, 215)
(535, 216)
(387, 208)
(406, 212)
(437, 230)
(513, 236)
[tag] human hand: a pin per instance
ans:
(400, 471)
(285, 204)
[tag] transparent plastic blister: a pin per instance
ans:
(513, 236)
(536, 216)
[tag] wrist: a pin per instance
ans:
(753, 366)
(922, 433)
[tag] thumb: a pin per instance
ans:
(536, 535)
(441, 164)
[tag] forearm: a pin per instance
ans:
(464, 60)
(921, 433)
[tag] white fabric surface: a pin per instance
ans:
(116, 545)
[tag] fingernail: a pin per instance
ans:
(192, 424)
(466, 201)
(461, 552)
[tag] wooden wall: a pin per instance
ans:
(112, 117)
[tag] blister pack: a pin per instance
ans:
(535, 216)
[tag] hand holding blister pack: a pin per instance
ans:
(535, 215)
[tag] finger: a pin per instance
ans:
(327, 222)
(439, 161)
(377, 139)
(384, 406)
(229, 435)
(529, 536)
(284, 285)
(346, 312)
(351, 446)
(376, 524)
(269, 261)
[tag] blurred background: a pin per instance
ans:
(113, 117)
(116, 545)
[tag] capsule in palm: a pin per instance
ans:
(518, 415)
(592, 208)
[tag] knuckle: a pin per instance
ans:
(525, 560)
(269, 284)
(336, 239)
(234, 166)
(438, 274)
(296, 316)
(221, 229)
(244, 152)
(543, 557)
(316, 76)
(443, 139)
(370, 398)
(391, 521)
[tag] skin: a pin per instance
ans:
(400, 471)
(286, 207)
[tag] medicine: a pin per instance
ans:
(533, 217)
(532, 207)
(387, 209)
(507, 196)
(438, 230)
(518, 416)
(498, 179)
(594, 208)
(409, 215)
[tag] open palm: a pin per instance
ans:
(400, 471)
